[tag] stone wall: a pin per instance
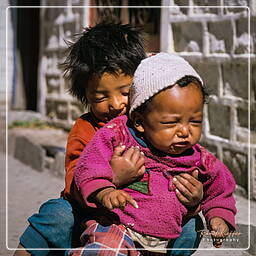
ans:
(58, 25)
(5, 49)
(218, 43)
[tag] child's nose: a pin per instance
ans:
(183, 131)
(116, 103)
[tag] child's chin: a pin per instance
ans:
(178, 151)
(109, 118)
(112, 117)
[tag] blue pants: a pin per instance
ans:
(58, 225)
(189, 238)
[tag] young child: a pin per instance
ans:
(100, 65)
(165, 123)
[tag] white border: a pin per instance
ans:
(249, 131)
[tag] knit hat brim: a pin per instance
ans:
(156, 73)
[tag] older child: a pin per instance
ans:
(100, 65)
(166, 114)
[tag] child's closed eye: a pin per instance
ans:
(169, 122)
(196, 121)
(125, 93)
(100, 99)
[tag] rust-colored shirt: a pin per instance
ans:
(81, 133)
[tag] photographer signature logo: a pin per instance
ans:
(229, 237)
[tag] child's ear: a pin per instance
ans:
(137, 120)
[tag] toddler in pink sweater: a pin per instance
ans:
(165, 123)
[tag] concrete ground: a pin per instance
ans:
(28, 188)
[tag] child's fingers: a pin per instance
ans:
(133, 154)
(190, 187)
(133, 203)
(217, 242)
(130, 200)
(141, 171)
(217, 237)
(183, 186)
(118, 151)
(122, 201)
(136, 155)
(140, 161)
(107, 203)
(215, 231)
(219, 230)
(115, 202)
(187, 180)
(128, 154)
(195, 174)
(218, 226)
(181, 197)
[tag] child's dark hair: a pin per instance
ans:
(106, 47)
(184, 81)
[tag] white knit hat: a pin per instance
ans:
(156, 73)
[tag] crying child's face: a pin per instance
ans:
(173, 122)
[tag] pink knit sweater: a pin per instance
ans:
(160, 213)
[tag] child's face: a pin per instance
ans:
(108, 95)
(173, 122)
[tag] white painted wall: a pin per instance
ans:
(5, 49)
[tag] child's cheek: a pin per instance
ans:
(100, 110)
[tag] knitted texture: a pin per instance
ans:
(160, 213)
(156, 73)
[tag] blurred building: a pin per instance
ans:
(218, 37)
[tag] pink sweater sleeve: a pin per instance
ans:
(218, 191)
(93, 170)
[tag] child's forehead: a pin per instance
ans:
(108, 80)
(176, 91)
(175, 95)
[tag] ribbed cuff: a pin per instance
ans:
(226, 215)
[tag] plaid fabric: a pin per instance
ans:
(111, 240)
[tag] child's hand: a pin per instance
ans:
(188, 189)
(128, 166)
(219, 230)
(112, 198)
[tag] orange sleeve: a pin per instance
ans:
(81, 133)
